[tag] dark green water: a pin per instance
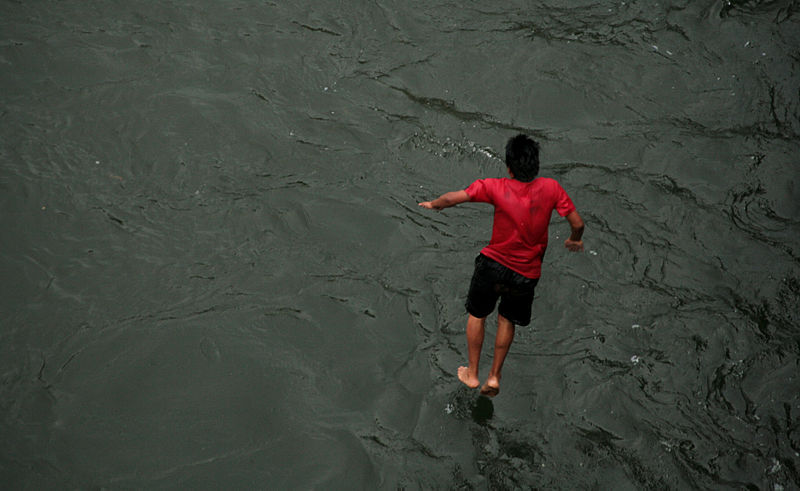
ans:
(215, 274)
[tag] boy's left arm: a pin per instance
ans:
(574, 242)
(446, 200)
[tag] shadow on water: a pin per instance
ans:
(468, 403)
(482, 410)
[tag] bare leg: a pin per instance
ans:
(475, 331)
(502, 342)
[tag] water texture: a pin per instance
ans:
(214, 271)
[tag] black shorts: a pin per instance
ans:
(490, 281)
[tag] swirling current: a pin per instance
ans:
(215, 272)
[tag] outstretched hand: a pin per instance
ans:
(446, 200)
(574, 245)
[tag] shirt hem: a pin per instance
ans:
(532, 275)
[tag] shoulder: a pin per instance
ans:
(488, 183)
(484, 189)
(549, 183)
(493, 180)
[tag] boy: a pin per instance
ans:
(510, 266)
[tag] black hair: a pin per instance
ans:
(522, 157)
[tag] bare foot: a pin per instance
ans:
(492, 387)
(470, 381)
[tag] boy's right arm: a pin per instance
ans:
(446, 200)
(574, 242)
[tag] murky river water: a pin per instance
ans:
(215, 274)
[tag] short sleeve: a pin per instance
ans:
(564, 205)
(478, 191)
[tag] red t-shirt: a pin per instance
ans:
(521, 215)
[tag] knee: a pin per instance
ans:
(504, 323)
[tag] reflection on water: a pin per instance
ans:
(216, 273)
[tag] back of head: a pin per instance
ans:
(522, 157)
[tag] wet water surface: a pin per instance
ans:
(215, 272)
